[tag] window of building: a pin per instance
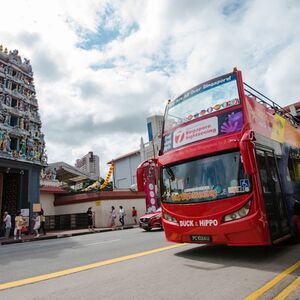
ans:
(14, 144)
(14, 102)
(14, 121)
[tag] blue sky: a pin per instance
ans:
(101, 67)
(105, 31)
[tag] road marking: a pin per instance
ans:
(98, 243)
(273, 282)
(291, 287)
(53, 275)
(93, 244)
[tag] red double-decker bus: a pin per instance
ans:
(229, 166)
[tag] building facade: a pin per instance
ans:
(22, 144)
(154, 128)
(124, 174)
(90, 165)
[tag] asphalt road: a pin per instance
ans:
(185, 272)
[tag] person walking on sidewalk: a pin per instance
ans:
(7, 222)
(113, 217)
(19, 221)
(134, 215)
(121, 216)
(43, 221)
(37, 225)
(90, 216)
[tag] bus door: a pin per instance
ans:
(274, 202)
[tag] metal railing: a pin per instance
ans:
(261, 98)
(66, 222)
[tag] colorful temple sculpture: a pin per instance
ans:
(22, 145)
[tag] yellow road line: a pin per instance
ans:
(273, 282)
(39, 278)
(284, 293)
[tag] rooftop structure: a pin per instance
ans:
(63, 172)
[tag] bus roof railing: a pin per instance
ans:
(261, 98)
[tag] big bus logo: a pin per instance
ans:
(179, 137)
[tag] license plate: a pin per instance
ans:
(201, 238)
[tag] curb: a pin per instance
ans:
(62, 235)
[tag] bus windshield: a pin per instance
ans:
(206, 179)
(202, 100)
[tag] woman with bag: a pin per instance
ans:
(37, 225)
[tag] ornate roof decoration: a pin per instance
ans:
(14, 58)
(20, 125)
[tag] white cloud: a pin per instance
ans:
(160, 49)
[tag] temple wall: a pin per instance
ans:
(47, 203)
(102, 209)
(61, 204)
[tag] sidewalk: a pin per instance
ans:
(59, 234)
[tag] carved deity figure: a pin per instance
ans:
(21, 105)
(28, 65)
(21, 123)
(15, 154)
(7, 119)
(3, 114)
(6, 143)
(2, 98)
(29, 148)
(40, 151)
(44, 157)
(26, 123)
(14, 57)
(8, 100)
(1, 138)
(22, 151)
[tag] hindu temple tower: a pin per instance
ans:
(22, 144)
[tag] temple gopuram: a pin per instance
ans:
(22, 145)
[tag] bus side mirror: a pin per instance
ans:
(247, 152)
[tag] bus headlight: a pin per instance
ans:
(241, 213)
(169, 218)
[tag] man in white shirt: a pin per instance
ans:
(7, 221)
